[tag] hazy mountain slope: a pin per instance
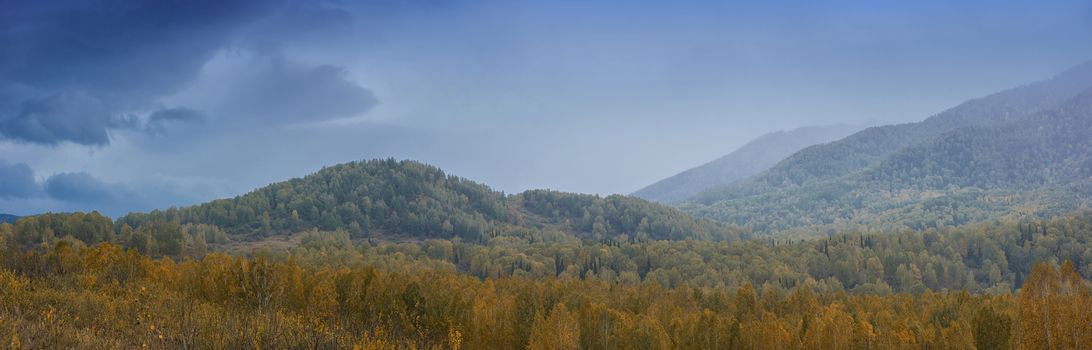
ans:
(409, 199)
(750, 159)
(870, 146)
(8, 218)
(1039, 165)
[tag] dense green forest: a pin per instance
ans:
(388, 198)
(1038, 165)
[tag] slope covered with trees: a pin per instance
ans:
(388, 198)
(750, 159)
(869, 147)
(1037, 164)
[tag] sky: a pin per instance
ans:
(123, 106)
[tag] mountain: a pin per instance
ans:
(750, 159)
(8, 218)
(871, 146)
(1039, 165)
(407, 199)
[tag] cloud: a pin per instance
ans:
(159, 120)
(79, 187)
(284, 92)
(82, 65)
(67, 116)
(75, 71)
(17, 181)
(82, 191)
(128, 47)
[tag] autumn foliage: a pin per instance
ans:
(107, 297)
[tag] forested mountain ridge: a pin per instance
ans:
(750, 159)
(387, 198)
(8, 218)
(1051, 147)
(1039, 165)
(870, 146)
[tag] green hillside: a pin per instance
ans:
(407, 199)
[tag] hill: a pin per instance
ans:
(407, 199)
(869, 147)
(1038, 165)
(750, 159)
(8, 218)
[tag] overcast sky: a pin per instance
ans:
(134, 105)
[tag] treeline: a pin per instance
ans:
(105, 297)
(989, 257)
(993, 258)
(154, 237)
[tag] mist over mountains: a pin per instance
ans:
(750, 159)
(1021, 148)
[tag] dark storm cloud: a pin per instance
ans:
(290, 93)
(67, 116)
(17, 181)
(159, 120)
(78, 187)
(73, 71)
(135, 47)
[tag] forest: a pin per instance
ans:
(81, 280)
(385, 198)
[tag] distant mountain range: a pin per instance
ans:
(8, 218)
(411, 200)
(1020, 151)
(750, 159)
